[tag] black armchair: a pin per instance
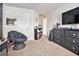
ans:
(18, 39)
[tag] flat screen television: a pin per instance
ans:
(71, 16)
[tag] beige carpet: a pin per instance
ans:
(41, 47)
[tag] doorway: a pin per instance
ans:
(45, 26)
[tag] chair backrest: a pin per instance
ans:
(13, 35)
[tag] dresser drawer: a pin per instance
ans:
(75, 48)
(72, 47)
(73, 41)
(74, 34)
(58, 33)
(58, 38)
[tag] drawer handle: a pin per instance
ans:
(73, 41)
(73, 48)
(77, 37)
(73, 34)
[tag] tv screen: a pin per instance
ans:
(71, 17)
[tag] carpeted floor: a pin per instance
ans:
(41, 47)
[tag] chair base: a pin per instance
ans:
(19, 46)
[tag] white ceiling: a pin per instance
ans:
(42, 8)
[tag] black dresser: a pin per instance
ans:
(67, 38)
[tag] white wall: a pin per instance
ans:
(56, 16)
(26, 20)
